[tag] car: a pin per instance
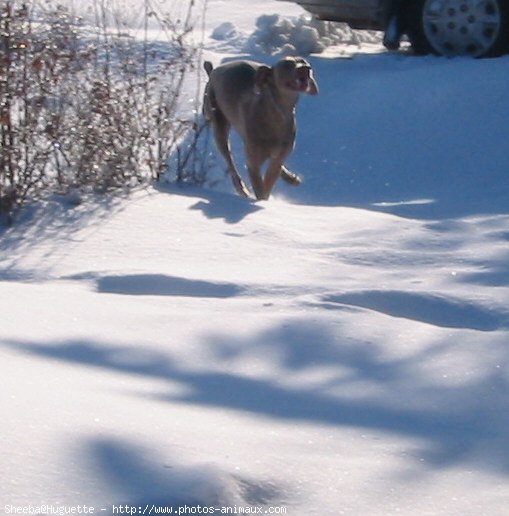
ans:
(478, 28)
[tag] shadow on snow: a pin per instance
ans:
(137, 476)
(455, 422)
(441, 311)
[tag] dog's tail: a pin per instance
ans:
(208, 67)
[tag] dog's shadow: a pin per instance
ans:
(215, 204)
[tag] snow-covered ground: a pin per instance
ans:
(339, 349)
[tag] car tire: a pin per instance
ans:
(478, 28)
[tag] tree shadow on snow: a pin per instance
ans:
(54, 223)
(441, 311)
(141, 476)
(159, 285)
(457, 423)
(57, 218)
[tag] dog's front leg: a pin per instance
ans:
(254, 162)
(221, 129)
(271, 175)
(238, 184)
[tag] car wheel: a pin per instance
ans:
(458, 27)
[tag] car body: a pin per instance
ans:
(447, 27)
(359, 14)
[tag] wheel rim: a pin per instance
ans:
(462, 27)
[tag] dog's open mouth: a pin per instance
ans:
(300, 84)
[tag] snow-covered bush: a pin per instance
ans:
(305, 35)
(275, 35)
(85, 106)
(225, 31)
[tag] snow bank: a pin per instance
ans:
(225, 31)
(275, 35)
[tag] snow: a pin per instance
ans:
(338, 349)
(277, 34)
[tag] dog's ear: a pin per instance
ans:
(262, 76)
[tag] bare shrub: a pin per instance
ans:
(87, 106)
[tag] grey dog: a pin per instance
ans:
(259, 102)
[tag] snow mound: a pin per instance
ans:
(304, 35)
(225, 31)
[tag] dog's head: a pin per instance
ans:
(291, 74)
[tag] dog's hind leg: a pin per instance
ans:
(290, 177)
